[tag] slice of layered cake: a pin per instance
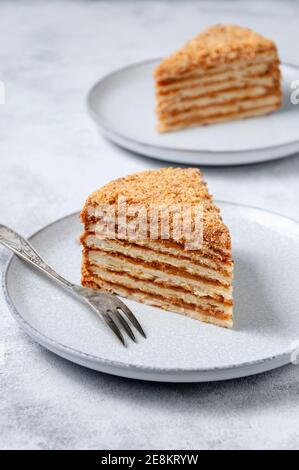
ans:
(225, 73)
(157, 237)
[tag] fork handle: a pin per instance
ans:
(22, 248)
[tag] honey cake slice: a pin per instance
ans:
(226, 72)
(163, 271)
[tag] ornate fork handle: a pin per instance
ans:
(24, 250)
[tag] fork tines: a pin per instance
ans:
(118, 317)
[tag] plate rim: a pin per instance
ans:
(133, 370)
(100, 121)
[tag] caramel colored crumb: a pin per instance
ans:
(216, 45)
(167, 186)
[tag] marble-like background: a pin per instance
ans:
(51, 53)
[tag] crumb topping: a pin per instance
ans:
(167, 186)
(216, 45)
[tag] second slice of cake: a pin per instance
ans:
(225, 73)
(159, 268)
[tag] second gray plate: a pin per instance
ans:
(123, 106)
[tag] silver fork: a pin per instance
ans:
(110, 308)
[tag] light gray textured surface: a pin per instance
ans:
(51, 53)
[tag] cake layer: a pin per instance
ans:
(159, 273)
(166, 290)
(209, 89)
(229, 96)
(163, 245)
(200, 120)
(149, 270)
(193, 311)
(248, 71)
(268, 59)
(200, 258)
(148, 255)
(231, 106)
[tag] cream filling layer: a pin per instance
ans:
(199, 120)
(157, 275)
(219, 98)
(148, 299)
(153, 256)
(200, 71)
(223, 109)
(152, 288)
(248, 74)
(202, 90)
(160, 245)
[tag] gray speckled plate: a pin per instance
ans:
(122, 104)
(178, 349)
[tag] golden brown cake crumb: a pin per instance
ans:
(166, 186)
(216, 45)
